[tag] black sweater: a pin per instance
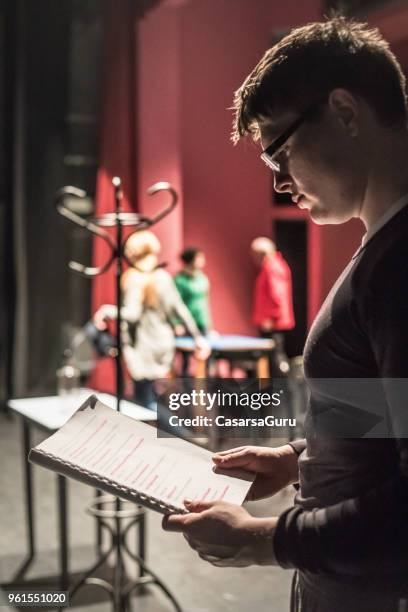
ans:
(350, 520)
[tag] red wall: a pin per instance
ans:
(159, 122)
(191, 60)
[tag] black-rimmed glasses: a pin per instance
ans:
(268, 154)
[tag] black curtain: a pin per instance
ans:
(34, 275)
(7, 35)
(49, 114)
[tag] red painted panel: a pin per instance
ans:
(227, 189)
(191, 59)
(159, 120)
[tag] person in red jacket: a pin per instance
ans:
(273, 303)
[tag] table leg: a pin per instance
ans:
(98, 493)
(201, 368)
(28, 476)
(262, 367)
(29, 504)
(142, 541)
(63, 532)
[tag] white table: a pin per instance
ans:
(49, 414)
(53, 412)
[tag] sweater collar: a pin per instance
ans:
(383, 220)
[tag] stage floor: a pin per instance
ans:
(198, 586)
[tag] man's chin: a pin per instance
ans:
(318, 215)
(322, 216)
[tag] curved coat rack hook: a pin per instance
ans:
(61, 198)
(116, 219)
(146, 222)
(157, 188)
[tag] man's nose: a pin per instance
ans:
(282, 182)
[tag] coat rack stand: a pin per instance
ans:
(113, 515)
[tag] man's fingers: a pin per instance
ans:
(197, 505)
(230, 451)
(221, 561)
(197, 545)
(182, 522)
(189, 539)
(210, 558)
(175, 522)
(237, 459)
(205, 548)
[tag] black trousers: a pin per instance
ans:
(144, 393)
(304, 599)
(278, 360)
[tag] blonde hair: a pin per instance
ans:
(142, 250)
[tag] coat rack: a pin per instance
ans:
(121, 587)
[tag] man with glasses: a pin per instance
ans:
(328, 104)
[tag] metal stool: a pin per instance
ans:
(106, 507)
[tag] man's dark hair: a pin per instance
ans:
(189, 254)
(313, 60)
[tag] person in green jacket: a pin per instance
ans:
(193, 285)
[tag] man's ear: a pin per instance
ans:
(346, 107)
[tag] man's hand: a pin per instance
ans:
(225, 534)
(275, 468)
